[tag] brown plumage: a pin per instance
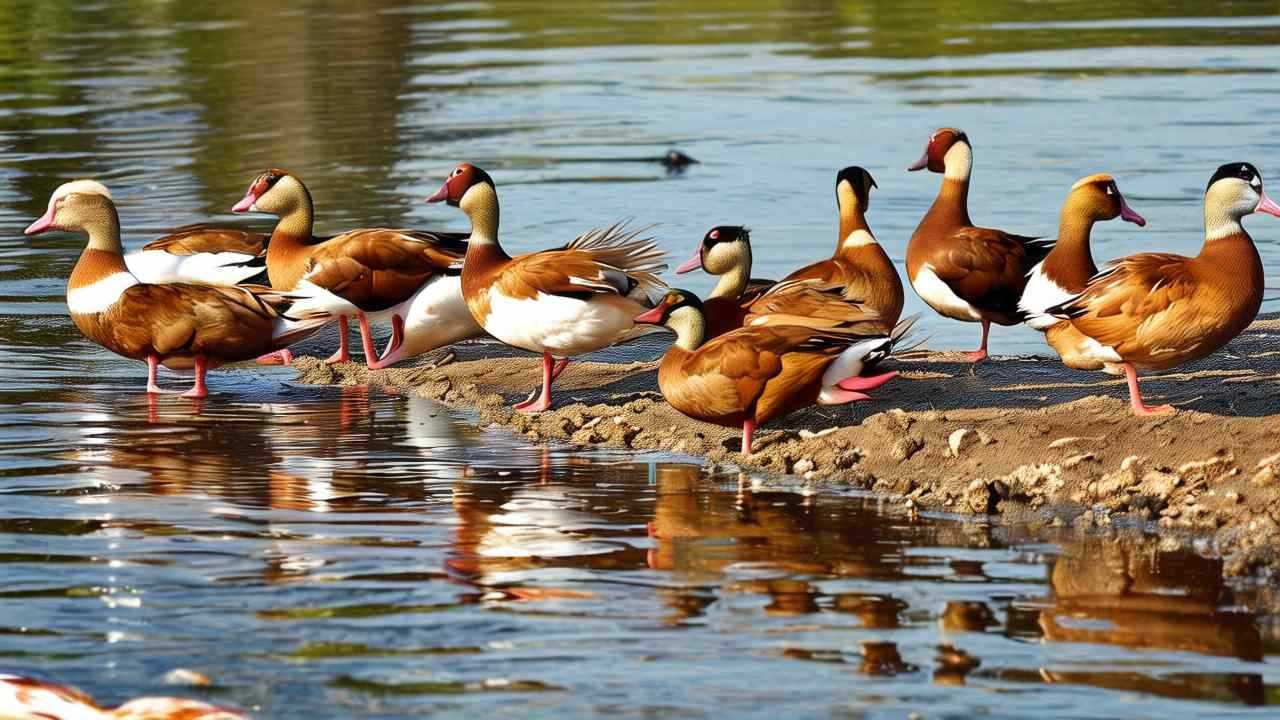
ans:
(1158, 310)
(965, 272)
(195, 239)
(753, 374)
(367, 271)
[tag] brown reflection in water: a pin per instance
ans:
(967, 616)
(1134, 595)
(954, 665)
(882, 658)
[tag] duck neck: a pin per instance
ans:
(690, 327)
(1221, 221)
(103, 256)
(480, 203)
(1071, 260)
(732, 283)
(295, 225)
(951, 207)
(854, 231)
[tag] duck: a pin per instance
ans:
(200, 253)
(27, 698)
(1155, 311)
(738, 299)
(1069, 265)
(434, 317)
(561, 302)
(963, 272)
(370, 274)
(751, 375)
(859, 264)
(178, 325)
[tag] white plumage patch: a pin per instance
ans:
(315, 299)
(560, 325)
(97, 297)
(435, 316)
(940, 297)
(1041, 294)
(859, 238)
(158, 266)
(849, 363)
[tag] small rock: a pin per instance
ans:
(960, 440)
(809, 434)
(905, 447)
(848, 458)
(802, 466)
(1078, 458)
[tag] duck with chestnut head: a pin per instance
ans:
(1157, 310)
(561, 302)
(964, 272)
(369, 274)
(747, 377)
(179, 325)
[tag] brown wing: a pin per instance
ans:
(378, 268)
(811, 303)
(1150, 307)
(573, 273)
(195, 239)
(225, 323)
(988, 268)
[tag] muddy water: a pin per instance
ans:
(346, 554)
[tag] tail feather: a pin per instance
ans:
(624, 249)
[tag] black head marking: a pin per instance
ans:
(1239, 171)
(725, 233)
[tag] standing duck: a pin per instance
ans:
(859, 264)
(568, 301)
(751, 375)
(1158, 310)
(739, 300)
(369, 274)
(200, 253)
(1067, 269)
(964, 272)
(178, 325)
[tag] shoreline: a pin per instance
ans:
(1019, 438)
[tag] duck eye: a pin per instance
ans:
(1111, 190)
(714, 235)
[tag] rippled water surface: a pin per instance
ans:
(326, 553)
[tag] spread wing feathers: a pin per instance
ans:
(196, 239)
(1150, 299)
(609, 261)
(988, 268)
(623, 250)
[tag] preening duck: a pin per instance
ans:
(369, 274)
(964, 272)
(739, 300)
(26, 698)
(1067, 269)
(1157, 310)
(200, 253)
(178, 325)
(562, 302)
(859, 264)
(751, 375)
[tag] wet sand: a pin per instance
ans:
(1020, 437)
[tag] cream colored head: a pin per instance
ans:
(1234, 191)
(82, 206)
(1097, 197)
(277, 192)
(680, 311)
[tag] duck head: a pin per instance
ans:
(1097, 197)
(460, 184)
(853, 185)
(275, 191)
(723, 248)
(1235, 190)
(680, 311)
(948, 151)
(82, 205)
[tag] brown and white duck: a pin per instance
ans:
(563, 302)
(751, 375)
(1157, 310)
(368, 274)
(1069, 266)
(178, 325)
(738, 300)
(26, 698)
(859, 264)
(965, 272)
(200, 253)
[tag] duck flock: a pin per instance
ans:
(751, 351)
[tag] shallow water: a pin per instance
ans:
(348, 553)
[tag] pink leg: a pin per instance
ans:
(153, 364)
(198, 390)
(981, 353)
(748, 429)
(366, 341)
(344, 351)
(543, 401)
(1135, 397)
(397, 336)
(559, 368)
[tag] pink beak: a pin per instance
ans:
(691, 264)
(652, 317)
(1265, 205)
(1128, 214)
(245, 204)
(441, 194)
(44, 223)
(920, 164)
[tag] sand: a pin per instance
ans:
(1020, 437)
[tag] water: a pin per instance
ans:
(331, 553)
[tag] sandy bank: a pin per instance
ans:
(1021, 437)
